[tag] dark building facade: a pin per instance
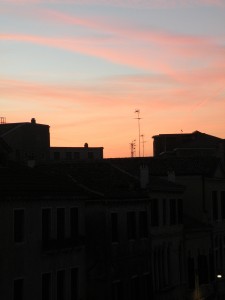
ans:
(137, 228)
(27, 140)
(42, 252)
(74, 154)
(134, 233)
(29, 143)
(203, 224)
(189, 144)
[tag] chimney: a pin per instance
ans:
(171, 177)
(144, 176)
(31, 163)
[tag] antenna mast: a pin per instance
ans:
(143, 145)
(132, 148)
(2, 120)
(137, 111)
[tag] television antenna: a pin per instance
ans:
(133, 148)
(2, 120)
(143, 145)
(137, 111)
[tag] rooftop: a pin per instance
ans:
(161, 166)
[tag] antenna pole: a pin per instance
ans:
(132, 147)
(143, 145)
(137, 111)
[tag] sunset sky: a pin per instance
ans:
(84, 66)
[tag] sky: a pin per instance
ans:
(85, 66)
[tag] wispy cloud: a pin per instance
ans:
(135, 3)
(127, 44)
(156, 51)
(158, 92)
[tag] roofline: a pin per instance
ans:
(192, 133)
(175, 134)
(71, 147)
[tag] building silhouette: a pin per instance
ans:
(30, 141)
(92, 228)
(189, 144)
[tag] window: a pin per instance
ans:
(224, 249)
(131, 225)
(46, 286)
(19, 225)
(68, 155)
(46, 224)
(191, 272)
(164, 212)
(135, 288)
(90, 155)
(74, 284)
(180, 258)
(180, 211)
(18, 289)
(147, 284)
(211, 267)
(216, 251)
(154, 212)
(74, 223)
(173, 212)
(143, 224)
(114, 227)
(203, 269)
(56, 155)
(60, 288)
(60, 223)
(169, 264)
(117, 290)
(222, 196)
(18, 154)
(76, 155)
(215, 205)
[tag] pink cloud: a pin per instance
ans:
(133, 3)
(146, 57)
(123, 30)
(157, 93)
(145, 49)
